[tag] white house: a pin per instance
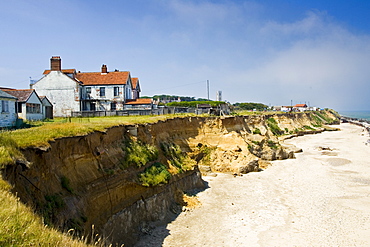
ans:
(70, 91)
(105, 91)
(60, 87)
(8, 116)
(300, 107)
(29, 105)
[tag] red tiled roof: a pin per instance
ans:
(21, 94)
(139, 102)
(110, 78)
(65, 71)
(134, 81)
(300, 105)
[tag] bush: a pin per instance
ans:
(139, 154)
(272, 124)
(257, 131)
(154, 175)
(176, 157)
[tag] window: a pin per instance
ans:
(33, 108)
(19, 107)
(102, 92)
(113, 106)
(116, 91)
(4, 106)
(88, 90)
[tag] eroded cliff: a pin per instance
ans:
(93, 180)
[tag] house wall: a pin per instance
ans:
(103, 103)
(8, 119)
(62, 91)
(33, 99)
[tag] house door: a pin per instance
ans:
(49, 112)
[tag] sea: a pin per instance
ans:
(365, 115)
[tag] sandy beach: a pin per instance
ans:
(321, 198)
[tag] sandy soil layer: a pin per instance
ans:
(321, 198)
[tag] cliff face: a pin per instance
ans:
(84, 181)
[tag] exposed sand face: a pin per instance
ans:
(321, 198)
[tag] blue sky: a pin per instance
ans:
(269, 51)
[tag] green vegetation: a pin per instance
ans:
(165, 97)
(50, 208)
(154, 175)
(8, 151)
(19, 226)
(64, 127)
(195, 103)
(257, 131)
(139, 154)
(176, 157)
(272, 124)
(272, 144)
(324, 116)
(205, 154)
(66, 184)
(250, 106)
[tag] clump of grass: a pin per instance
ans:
(154, 175)
(323, 116)
(272, 124)
(9, 151)
(19, 226)
(308, 127)
(66, 184)
(206, 153)
(257, 131)
(272, 144)
(176, 157)
(138, 153)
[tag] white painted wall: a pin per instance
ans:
(62, 91)
(33, 99)
(8, 119)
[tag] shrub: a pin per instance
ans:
(154, 175)
(272, 144)
(176, 157)
(139, 154)
(272, 124)
(257, 131)
(66, 184)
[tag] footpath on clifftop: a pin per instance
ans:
(321, 198)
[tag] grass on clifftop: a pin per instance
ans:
(47, 131)
(19, 226)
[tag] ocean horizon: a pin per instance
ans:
(356, 114)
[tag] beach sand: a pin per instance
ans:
(321, 198)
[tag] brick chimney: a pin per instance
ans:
(104, 69)
(55, 63)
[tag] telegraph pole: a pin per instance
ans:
(208, 88)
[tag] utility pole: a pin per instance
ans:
(208, 88)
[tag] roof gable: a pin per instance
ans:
(65, 71)
(6, 95)
(110, 78)
(135, 83)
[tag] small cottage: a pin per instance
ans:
(29, 105)
(8, 116)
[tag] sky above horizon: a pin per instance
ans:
(268, 51)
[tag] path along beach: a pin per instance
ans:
(321, 198)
